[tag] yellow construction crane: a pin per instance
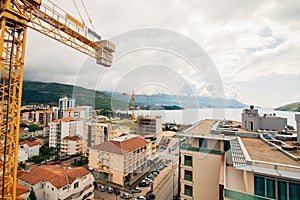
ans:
(132, 102)
(47, 18)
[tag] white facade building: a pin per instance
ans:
(71, 145)
(27, 149)
(63, 127)
(252, 121)
(56, 182)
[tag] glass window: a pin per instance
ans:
(271, 192)
(294, 191)
(259, 186)
(282, 190)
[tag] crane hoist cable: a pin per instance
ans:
(78, 12)
(90, 20)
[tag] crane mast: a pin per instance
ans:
(50, 20)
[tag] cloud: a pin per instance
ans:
(246, 40)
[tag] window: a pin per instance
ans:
(259, 185)
(188, 160)
(270, 185)
(282, 190)
(202, 143)
(76, 185)
(188, 190)
(294, 190)
(276, 188)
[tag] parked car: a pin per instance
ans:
(143, 183)
(150, 176)
(154, 173)
(140, 198)
(150, 196)
(109, 189)
(125, 196)
(136, 190)
(102, 188)
(117, 191)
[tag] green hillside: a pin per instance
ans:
(294, 107)
(49, 93)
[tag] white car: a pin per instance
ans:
(140, 198)
(125, 196)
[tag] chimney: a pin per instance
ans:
(297, 118)
(251, 107)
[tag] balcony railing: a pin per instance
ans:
(240, 195)
(188, 163)
(202, 150)
(188, 193)
(188, 178)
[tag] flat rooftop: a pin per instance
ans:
(202, 127)
(259, 150)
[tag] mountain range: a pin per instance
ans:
(49, 93)
(294, 107)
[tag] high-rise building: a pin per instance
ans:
(150, 125)
(65, 103)
(63, 127)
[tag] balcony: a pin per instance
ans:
(188, 193)
(240, 195)
(202, 150)
(188, 178)
(188, 163)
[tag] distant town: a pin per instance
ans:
(71, 152)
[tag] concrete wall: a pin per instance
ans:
(206, 174)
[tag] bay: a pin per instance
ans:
(192, 116)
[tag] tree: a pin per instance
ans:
(33, 127)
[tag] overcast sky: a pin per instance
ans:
(250, 48)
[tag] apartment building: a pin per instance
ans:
(63, 127)
(96, 133)
(57, 182)
(27, 149)
(252, 121)
(226, 164)
(150, 125)
(119, 159)
(152, 145)
(78, 113)
(71, 145)
(64, 103)
(44, 116)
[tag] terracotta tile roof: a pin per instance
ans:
(65, 119)
(73, 138)
(73, 109)
(45, 111)
(56, 175)
(21, 189)
(29, 143)
(121, 146)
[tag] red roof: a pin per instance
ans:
(73, 109)
(73, 138)
(29, 143)
(118, 146)
(65, 119)
(21, 189)
(58, 176)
